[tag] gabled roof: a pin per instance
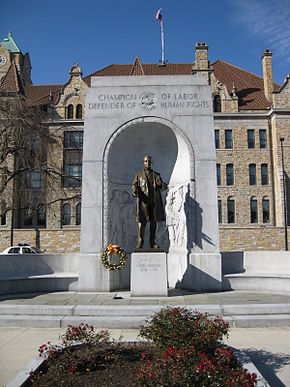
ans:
(10, 44)
(137, 68)
(250, 87)
(41, 94)
(11, 83)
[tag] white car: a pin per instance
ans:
(19, 250)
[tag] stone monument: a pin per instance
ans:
(169, 118)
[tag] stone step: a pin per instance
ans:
(257, 282)
(39, 283)
(132, 316)
(132, 322)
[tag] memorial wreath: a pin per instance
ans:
(116, 250)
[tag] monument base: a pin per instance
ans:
(94, 277)
(204, 273)
(148, 274)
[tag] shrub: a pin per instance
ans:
(188, 367)
(66, 358)
(180, 327)
(192, 354)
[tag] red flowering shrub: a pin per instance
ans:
(191, 352)
(186, 367)
(65, 359)
(180, 327)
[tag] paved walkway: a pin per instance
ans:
(268, 348)
(176, 297)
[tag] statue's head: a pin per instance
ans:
(147, 161)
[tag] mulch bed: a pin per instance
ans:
(112, 365)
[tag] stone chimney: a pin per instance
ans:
(268, 74)
(201, 64)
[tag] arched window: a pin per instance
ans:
(70, 111)
(231, 209)
(79, 113)
(254, 210)
(66, 214)
(78, 214)
(217, 103)
(41, 215)
(266, 210)
(3, 214)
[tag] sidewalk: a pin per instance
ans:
(268, 348)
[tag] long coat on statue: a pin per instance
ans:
(141, 191)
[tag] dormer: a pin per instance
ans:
(71, 101)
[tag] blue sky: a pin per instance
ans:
(97, 33)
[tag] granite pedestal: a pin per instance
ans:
(148, 274)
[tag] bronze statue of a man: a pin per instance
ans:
(147, 187)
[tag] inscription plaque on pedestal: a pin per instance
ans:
(148, 274)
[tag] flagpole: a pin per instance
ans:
(158, 17)
(162, 43)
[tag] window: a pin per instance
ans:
(230, 174)
(73, 140)
(27, 250)
(70, 112)
(251, 138)
(79, 113)
(72, 175)
(254, 210)
(264, 174)
(220, 210)
(33, 179)
(229, 140)
(263, 138)
(78, 214)
(266, 210)
(3, 214)
(231, 210)
(217, 105)
(217, 138)
(252, 174)
(41, 215)
(73, 144)
(66, 214)
(14, 250)
(218, 174)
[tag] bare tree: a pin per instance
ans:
(29, 159)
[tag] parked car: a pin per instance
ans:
(20, 249)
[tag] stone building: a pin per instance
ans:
(251, 116)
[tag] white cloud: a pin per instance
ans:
(267, 19)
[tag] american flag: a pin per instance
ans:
(158, 15)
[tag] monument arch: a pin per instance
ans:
(173, 156)
(171, 119)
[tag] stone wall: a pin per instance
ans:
(67, 240)
(252, 238)
(241, 157)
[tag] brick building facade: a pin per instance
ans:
(251, 116)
